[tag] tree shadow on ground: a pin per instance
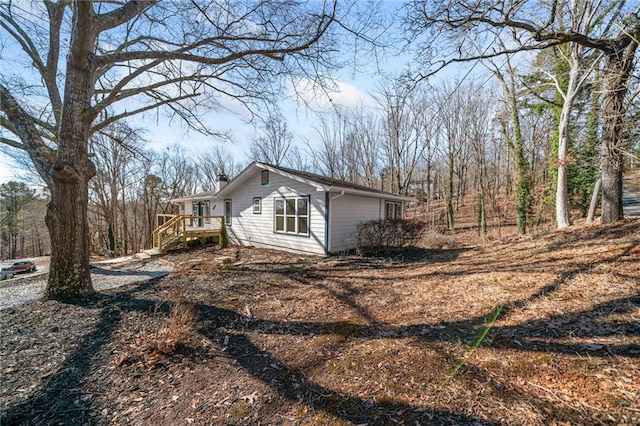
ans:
(407, 255)
(125, 272)
(218, 323)
(57, 402)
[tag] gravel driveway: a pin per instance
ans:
(24, 289)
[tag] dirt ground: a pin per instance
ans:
(248, 336)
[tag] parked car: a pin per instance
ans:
(6, 274)
(22, 266)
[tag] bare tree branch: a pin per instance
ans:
(119, 16)
(126, 114)
(12, 143)
(27, 131)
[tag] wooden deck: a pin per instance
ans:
(174, 230)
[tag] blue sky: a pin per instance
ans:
(350, 93)
(353, 89)
(162, 133)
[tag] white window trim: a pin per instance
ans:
(397, 209)
(227, 218)
(296, 215)
(259, 205)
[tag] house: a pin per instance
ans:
(276, 207)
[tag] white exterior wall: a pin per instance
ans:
(188, 207)
(216, 207)
(257, 230)
(345, 212)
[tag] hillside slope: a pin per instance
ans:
(247, 336)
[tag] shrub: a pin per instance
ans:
(152, 338)
(376, 236)
(224, 237)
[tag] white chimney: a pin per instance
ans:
(222, 181)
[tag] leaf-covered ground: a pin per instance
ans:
(248, 336)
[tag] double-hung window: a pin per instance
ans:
(227, 212)
(257, 205)
(393, 210)
(292, 215)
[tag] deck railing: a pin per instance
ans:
(173, 229)
(161, 219)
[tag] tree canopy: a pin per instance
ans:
(85, 65)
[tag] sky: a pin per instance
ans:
(350, 93)
(352, 89)
(162, 133)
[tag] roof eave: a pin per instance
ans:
(231, 186)
(193, 198)
(386, 196)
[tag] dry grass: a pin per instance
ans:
(292, 340)
(148, 338)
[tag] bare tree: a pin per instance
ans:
(124, 59)
(366, 134)
(272, 141)
(114, 151)
(299, 158)
(454, 139)
(349, 146)
(335, 154)
(511, 127)
(472, 28)
(213, 163)
(479, 129)
(403, 115)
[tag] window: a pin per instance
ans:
(227, 212)
(292, 215)
(195, 213)
(257, 205)
(264, 177)
(393, 210)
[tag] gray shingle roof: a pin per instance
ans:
(329, 181)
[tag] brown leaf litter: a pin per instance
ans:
(248, 336)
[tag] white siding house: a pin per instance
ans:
(279, 208)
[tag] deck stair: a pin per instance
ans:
(175, 230)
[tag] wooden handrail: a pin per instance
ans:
(165, 218)
(158, 232)
(178, 224)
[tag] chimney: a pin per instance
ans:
(222, 181)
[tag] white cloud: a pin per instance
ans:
(338, 94)
(7, 170)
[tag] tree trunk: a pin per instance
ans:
(482, 207)
(66, 217)
(562, 196)
(594, 201)
(449, 201)
(616, 75)
(524, 181)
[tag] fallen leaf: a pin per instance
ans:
(250, 398)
